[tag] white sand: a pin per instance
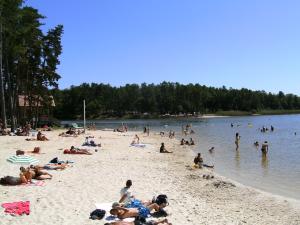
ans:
(71, 195)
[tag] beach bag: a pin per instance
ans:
(20, 152)
(55, 160)
(97, 214)
(161, 199)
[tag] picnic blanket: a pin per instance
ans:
(17, 208)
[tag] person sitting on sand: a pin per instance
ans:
(162, 133)
(25, 175)
(136, 140)
(152, 222)
(198, 161)
(265, 148)
(126, 194)
(163, 149)
(41, 137)
(182, 142)
(192, 142)
(142, 211)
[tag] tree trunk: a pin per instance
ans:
(2, 96)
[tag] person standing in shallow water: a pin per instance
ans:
(237, 141)
(265, 148)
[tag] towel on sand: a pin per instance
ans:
(107, 207)
(17, 208)
(35, 183)
(138, 145)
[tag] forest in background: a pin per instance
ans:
(167, 98)
(28, 62)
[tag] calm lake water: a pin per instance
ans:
(279, 173)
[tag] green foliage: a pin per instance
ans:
(134, 101)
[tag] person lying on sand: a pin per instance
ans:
(41, 137)
(163, 149)
(38, 174)
(63, 134)
(152, 222)
(50, 167)
(25, 177)
(74, 150)
(142, 211)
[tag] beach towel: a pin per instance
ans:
(17, 208)
(39, 183)
(107, 207)
(138, 145)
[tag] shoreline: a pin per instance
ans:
(193, 200)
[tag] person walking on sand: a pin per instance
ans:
(237, 140)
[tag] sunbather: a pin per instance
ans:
(74, 150)
(142, 211)
(41, 137)
(165, 221)
(51, 167)
(39, 174)
(163, 149)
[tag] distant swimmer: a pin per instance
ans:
(211, 150)
(231, 124)
(265, 148)
(256, 144)
(295, 133)
(272, 129)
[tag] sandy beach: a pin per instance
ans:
(72, 193)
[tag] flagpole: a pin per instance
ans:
(84, 115)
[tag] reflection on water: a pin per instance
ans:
(237, 159)
(264, 164)
(275, 172)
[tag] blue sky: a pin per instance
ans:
(250, 43)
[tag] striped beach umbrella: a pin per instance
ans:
(22, 159)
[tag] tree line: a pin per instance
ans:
(28, 62)
(104, 100)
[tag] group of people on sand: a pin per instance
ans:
(121, 129)
(27, 174)
(186, 142)
(130, 207)
(39, 137)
